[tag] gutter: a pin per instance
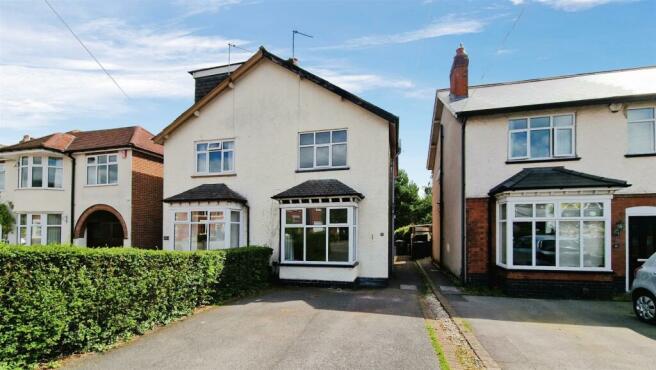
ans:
(248, 224)
(463, 249)
(72, 213)
(441, 180)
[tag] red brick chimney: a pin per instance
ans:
(459, 87)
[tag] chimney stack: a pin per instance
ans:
(294, 61)
(459, 87)
(26, 138)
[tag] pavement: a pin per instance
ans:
(553, 334)
(290, 328)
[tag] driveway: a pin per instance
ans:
(290, 328)
(559, 334)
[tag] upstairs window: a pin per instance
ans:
(102, 169)
(546, 137)
(642, 131)
(2, 176)
(322, 149)
(215, 157)
(41, 172)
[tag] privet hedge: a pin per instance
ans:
(58, 300)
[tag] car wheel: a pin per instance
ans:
(644, 305)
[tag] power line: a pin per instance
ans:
(86, 48)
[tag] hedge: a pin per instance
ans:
(58, 300)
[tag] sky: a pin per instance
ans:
(391, 53)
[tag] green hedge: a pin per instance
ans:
(57, 300)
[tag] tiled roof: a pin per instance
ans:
(207, 192)
(586, 87)
(554, 178)
(77, 141)
(318, 188)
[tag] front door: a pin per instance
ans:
(642, 241)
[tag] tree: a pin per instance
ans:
(410, 207)
(6, 220)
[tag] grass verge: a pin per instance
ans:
(437, 347)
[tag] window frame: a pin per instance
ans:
(352, 219)
(45, 167)
(553, 144)
(207, 172)
(314, 145)
(227, 222)
(652, 121)
(44, 227)
(510, 203)
(98, 165)
(3, 181)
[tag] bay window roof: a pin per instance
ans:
(554, 178)
(319, 188)
(207, 192)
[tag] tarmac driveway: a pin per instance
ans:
(559, 334)
(289, 328)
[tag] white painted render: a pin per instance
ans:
(45, 200)
(264, 113)
(601, 143)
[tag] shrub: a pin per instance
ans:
(57, 300)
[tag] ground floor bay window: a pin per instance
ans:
(554, 233)
(38, 228)
(319, 234)
(207, 229)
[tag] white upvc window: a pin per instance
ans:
(215, 157)
(207, 229)
(642, 130)
(2, 177)
(102, 169)
(317, 234)
(554, 233)
(38, 228)
(541, 137)
(40, 172)
(322, 149)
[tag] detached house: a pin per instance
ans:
(89, 188)
(271, 154)
(545, 186)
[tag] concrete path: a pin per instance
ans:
(554, 334)
(290, 328)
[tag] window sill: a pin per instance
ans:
(303, 264)
(563, 159)
(640, 155)
(49, 189)
(556, 270)
(323, 169)
(224, 174)
(99, 185)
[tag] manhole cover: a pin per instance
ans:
(408, 287)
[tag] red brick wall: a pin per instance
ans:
(477, 213)
(618, 242)
(147, 192)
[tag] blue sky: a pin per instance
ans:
(392, 53)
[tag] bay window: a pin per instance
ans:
(215, 157)
(543, 137)
(102, 169)
(2, 176)
(207, 229)
(37, 228)
(642, 130)
(41, 172)
(322, 149)
(554, 233)
(316, 234)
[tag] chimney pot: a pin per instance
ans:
(459, 77)
(26, 138)
(294, 61)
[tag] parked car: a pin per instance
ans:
(643, 291)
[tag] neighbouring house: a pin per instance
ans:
(88, 188)
(271, 154)
(545, 186)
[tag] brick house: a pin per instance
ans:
(545, 186)
(88, 188)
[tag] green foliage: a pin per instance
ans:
(6, 220)
(57, 300)
(411, 209)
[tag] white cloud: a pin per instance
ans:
(570, 5)
(357, 83)
(505, 51)
(194, 7)
(46, 77)
(449, 25)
